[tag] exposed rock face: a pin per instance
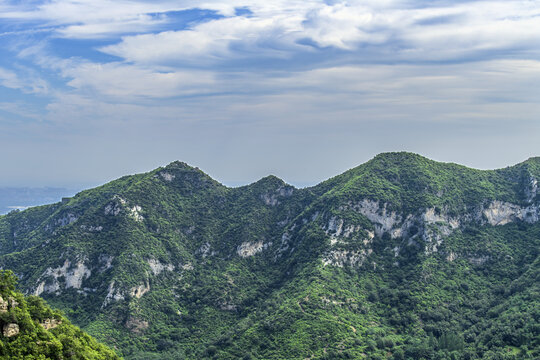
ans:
(247, 249)
(135, 213)
(63, 220)
(115, 206)
(3, 305)
(92, 228)
(139, 291)
(73, 277)
(187, 266)
(284, 245)
(452, 256)
(13, 302)
(531, 190)
(341, 258)
(431, 217)
(336, 229)
(157, 267)
(10, 330)
(106, 260)
(204, 250)
(501, 213)
(430, 225)
(116, 294)
(335, 226)
(383, 219)
(113, 294)
(50, 323)
(167, 176)
(67, 219)
(47, 288)
(272, 199)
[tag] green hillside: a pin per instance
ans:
(32, 330)
(399, 258)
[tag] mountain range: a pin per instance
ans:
(399, 258)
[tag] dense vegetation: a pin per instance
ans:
(32, 330)
(399, 258)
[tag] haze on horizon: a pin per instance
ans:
(94, 90)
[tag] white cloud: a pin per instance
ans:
(344, 26)
(480, 26)
(9, 79)
(198, 61)
(122, 81)
(406, 30)
(92, 18)
(340, 96)
(211, 41)
(406, 33)
(29, 83)
(109, 28)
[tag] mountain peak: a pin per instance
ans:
(399, 157)
(272, 179)
(268, 182)
(177, 164)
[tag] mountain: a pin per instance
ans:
(32, 330)
(401, 257)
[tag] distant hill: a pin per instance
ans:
(20, 198)
(399, 258)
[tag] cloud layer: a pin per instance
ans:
(323, 79)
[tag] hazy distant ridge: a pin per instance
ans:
(12, 198)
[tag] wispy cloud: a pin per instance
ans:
(246, 73)
(25, 79)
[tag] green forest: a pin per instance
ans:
(399, 258)
(32, 330)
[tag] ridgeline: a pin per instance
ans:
(399, 258)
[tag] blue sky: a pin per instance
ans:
(93, 90)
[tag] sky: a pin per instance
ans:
(91, 90)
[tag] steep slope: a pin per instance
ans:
(402, 257)
(32, 330)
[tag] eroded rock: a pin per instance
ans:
(73, 277)
(3, 305)
(13, 302)
(50, 323)
(502, 213)
(135, 213)
(157, 267)
(341, 258)
(247, 248)
(139, 291)
(113, 294)
(167, 176)
(11, 330)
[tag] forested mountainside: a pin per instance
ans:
(399, 258)
(32, 330)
